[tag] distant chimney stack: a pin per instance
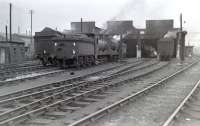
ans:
(81, 25)
(18, 29)
(6, 33)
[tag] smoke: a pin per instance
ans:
(140, 10)
(132, 5)
(171, 34)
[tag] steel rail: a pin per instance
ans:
(20, 71)
(65, 101)
(181, 105)
(59, 83)
(98, 114)
(64, 87)
(58, 93)
(11, 66)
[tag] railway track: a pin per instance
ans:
(13, 66)
(188, 111)
(54, 72)
(38, 103)
(11, 73)
(86, 120)
(110, 70)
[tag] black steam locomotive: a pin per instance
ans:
(55, 48)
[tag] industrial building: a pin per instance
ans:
(146, 39)
(85, 27)
(28, 43)
(148, 44)
(11, 52)
(29, 47)
(159, 27)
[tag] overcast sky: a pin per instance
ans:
(59, 13)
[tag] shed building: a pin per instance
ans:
(85, 27)
(148, 45)
(11, 52)
(159, 27)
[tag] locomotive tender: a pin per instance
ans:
(74, 50)
(167, 46)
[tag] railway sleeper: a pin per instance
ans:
(39, 121)
(2, 110)
(55, 114)
(192, 114)
(87, 99)
(97, 91)
(79, 104)
(97, 96)
(68, 108)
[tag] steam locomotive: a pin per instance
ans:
(167, 46)
(79, 50)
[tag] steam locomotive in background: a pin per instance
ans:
(167, 46)
(58, 49)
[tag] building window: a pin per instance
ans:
(14, 50)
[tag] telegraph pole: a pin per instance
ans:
(31, 12)
(31, 33)
(81, 25)
(181, 22)
(10, 22)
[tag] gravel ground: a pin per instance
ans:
(32, 74)
(190, 115)
(58, 77)
(154, 108)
